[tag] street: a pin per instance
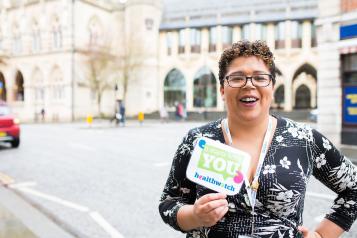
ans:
(105, 181)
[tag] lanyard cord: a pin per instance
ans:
(253, 187)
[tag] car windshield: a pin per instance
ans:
(4, 110)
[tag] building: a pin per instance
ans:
(337, 71)
(159, 53)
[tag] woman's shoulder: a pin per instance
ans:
(299, 130)
(211, 130)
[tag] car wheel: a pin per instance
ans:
(15, 143)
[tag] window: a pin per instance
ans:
(204, 89)
(195, 40)
(227, 36)
(56, 34)
(16, 40)
(169, 43)
(212, 39)
(94, 29)
(261, 32)
(313, 35)
(280, 35)
(245, 34)
(174, 88)
(36, 37)
(57, 84)
(296, 34)
(181, 44)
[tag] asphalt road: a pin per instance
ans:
(106, 182)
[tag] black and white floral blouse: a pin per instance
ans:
(296, 153)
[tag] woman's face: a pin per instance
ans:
(260, 98)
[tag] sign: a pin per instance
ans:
(347, 32)
(350, 105)
(217, 166)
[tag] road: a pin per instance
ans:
(106, 182)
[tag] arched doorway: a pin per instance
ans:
(204, 89)
(19, 91)
(302, 97)
(174, 88)
(2, 88)
(279, 97)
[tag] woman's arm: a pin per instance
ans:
(326, 229)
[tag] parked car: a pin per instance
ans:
(9, 126)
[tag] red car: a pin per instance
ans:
(9, 126)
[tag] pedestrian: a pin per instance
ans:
(122, 113)
(164, 116)
(271, 201)
(43, 114)
(141, 118)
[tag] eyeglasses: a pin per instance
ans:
(258, 80)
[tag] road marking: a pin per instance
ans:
(163, 164)
(23, 184)
(105, 225)
(54, 199)
(99, 219)
(321, 195)
(6, 179)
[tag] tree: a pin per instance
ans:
(100, 64)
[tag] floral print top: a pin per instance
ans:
(296, 152)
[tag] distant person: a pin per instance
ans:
(122, 113)
(284, 156)
(141, 118)
(164, 116)
(179, 111)
(43, 114)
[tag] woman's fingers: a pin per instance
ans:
(305, 232)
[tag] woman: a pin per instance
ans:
(271, 205)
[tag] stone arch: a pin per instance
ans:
(2, 87)
(19, 89)
(204, 88)
(174, 88)
(305, 75)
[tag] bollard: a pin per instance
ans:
(141, 118)
(89, 120)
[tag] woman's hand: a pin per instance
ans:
(308, 234)
(210, 208)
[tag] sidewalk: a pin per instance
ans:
(350, 152)
(18, 219)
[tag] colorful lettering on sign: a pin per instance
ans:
(352, 97)
(220, 161)
(352, 111)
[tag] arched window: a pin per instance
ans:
(174, 88)
(302, 97)
(16, 39)
(19, 90)
(204, 89)
(36, 37)
(279, 97)
(57, 84)
(2, 87)
(56, 33)
(94, 29)
(38, 85)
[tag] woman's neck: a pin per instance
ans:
(247, 129)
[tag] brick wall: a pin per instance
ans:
(348, 5)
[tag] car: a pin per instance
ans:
(9, 126)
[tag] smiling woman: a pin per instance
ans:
(284, 154)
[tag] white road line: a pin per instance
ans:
(105, 225)
(54, 199)
(23, 184)
(321, 195)
(163, 164)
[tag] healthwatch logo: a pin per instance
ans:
(218, 166)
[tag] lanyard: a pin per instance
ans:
(253, 188)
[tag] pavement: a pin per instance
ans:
(20, 218)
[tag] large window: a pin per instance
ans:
(36, 37)
(280, 35)
(212, 39)
(56, 34)
(2, 87)
(181, 44)
(313, 35)
(195, 40)
(227, 36)
(261, 32)
(174, 88)
(204, 89)
(296, 34)
(57, 84)
(16, 39)
(245, 32)
(19, 91)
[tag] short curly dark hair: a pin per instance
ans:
(246, 48)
